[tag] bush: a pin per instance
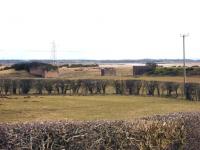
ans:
(27, 65)
(119, 86)
(168, 71)
(175, 71)
(171, 87)
(86, 86)
(15, 85)
(25, 86)
(39, 86)
(135, 135)
(133, 86)
(6, 86)
(150, 87)
(192, 91)
(75, 86)
(190, 122)
(49, 86)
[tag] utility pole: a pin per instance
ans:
(184, 62)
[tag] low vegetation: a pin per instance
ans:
(41, 108)
(172, 131)
(93, 135)
(174, 71)
(28, 65)
(96, 87)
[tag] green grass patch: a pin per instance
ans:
(20, 109)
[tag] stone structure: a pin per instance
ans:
(42, 72)
(37, 71)
(108, 72)
(51, 74)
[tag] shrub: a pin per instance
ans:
(119, 86)
(27, 65)
(101, 86)
(39, 86)
(131, 87)
(136, 135)
(1, 87)
(49, 86)
(192, 91)
(150, 87)
(25, 85)
(89, 85)
(171, 87)
(6, 85)
(175, 71)
(75, 86)
(15, 85)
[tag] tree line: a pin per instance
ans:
(99, 86)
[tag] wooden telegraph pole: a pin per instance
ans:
(184, 62)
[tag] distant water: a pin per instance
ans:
(143, 64)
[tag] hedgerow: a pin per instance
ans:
(160, 132)
(174, 71)
(92, 87)
(134, 135)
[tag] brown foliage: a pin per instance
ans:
(135, 135)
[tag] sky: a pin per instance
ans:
(99, 29)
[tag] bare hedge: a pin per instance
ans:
(191, 124)
(102, 135)
(160, 132)
(91, 87)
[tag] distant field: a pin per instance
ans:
(94, 73)
(34, 108)
(11, 73)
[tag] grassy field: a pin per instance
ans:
(11, 73)
(19, 108)
(94, 73)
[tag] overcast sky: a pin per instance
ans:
(99, 29)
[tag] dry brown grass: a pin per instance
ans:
(123, 73)
(83, 72)
(11, 73)
(34, 108)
